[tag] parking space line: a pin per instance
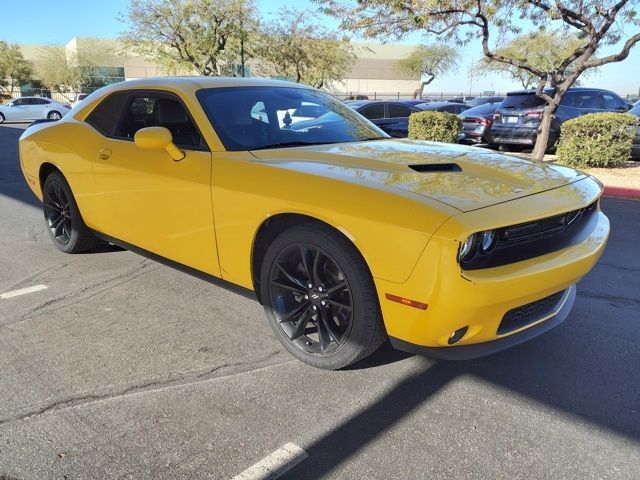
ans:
(275, 464)
(22, 291)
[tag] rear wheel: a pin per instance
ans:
(1, 118)
(62, 217)
(319, 297)
(54, 115)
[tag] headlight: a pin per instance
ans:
(467, 250)
(488, 241)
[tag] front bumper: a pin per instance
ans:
(480, 299)
(469, 352)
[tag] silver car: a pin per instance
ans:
(32, 108)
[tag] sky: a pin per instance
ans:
(47, 22)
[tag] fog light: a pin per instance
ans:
(457, 335)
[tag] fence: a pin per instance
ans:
(434, 95)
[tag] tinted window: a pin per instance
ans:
(105, 116)
(396, 110)
(162, 110)
(373, 111)
(521, 102)
(611, 102)
(484, 109)
(20, 101)
(232, 112)
(38, 101)
(587, 99)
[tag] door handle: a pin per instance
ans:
(104, 153)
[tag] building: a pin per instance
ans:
(375, 72)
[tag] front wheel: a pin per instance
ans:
(62, 217)
(319, 297)
(2, 118)
(54, 115)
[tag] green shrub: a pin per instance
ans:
(597, 140)
(434, 126)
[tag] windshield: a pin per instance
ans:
(484, 109)
(250, 118)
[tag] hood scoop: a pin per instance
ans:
(436, 167)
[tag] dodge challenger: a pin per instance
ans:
(346, 236)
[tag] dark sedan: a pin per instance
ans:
(392, 117)
(448, 107)
(476, 124)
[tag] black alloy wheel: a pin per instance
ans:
(311, 299)
(319, 297)
(62, 217)
(57, 213)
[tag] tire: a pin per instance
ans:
(331, 291)
(62, 217)
(504, 147)
(54, 115)
(1, 118)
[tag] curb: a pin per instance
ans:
(622, 192)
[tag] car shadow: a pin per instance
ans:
(12, 183)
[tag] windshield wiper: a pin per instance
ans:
(290, 144)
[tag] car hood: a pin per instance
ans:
(466, 178)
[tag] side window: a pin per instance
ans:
(396, 110)
(20, 102)
(161, 110)
(589, 100)
(38, 101)
(374, 111)
(611, 102)
(105, 116)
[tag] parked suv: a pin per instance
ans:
(517, 119)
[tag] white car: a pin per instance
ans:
(32, 108)
(79, 98)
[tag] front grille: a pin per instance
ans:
(531, 312)
(546, 227)
(533, 239)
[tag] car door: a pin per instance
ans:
(38, 108)
(17, 110)
(144, 197)
(375, 112)
(398, 120)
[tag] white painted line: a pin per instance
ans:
(22, 291)
(275, 465)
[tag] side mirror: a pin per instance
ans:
(158, 138)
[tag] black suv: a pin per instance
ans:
(516, 120)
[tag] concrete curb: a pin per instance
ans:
(622, 192)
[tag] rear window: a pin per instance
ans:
(484, 109)
(522, 101)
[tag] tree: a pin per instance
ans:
(64, 71)
(189, 35)
(430, 61)
(542, 50)
(302, 51)
(14, 69)
(596, 23)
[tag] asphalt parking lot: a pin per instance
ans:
(124, 368)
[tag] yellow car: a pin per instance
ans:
(346, 236)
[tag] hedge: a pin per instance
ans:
(434, 126)
(597, 140)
